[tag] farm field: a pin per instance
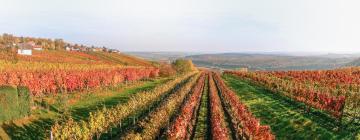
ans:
(195, 105)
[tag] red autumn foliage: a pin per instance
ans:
(51, 82)
(299, 91)
(218, 130)
(246, 125)
(181, 126)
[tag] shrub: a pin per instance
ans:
(183, 66)
(166, 70)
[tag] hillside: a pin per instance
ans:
(77, 57)
(30, 49)
(268, 61)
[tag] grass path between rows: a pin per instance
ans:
(202, 127)
(37, 127)
(286, 118)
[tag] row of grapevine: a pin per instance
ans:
(332, 78)
(46, 82)
(245, 124)
(219, 129)
(182, 126)
(33, 66)
(103, 120)
(340, 82)
(297, 91)
(161, 116)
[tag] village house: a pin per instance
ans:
(37, 47)
(27, 48)
(24, 49)
(68, 48)
(75, 49)
(31, 43)
(97, 49)
(71, 48)
(114, 51)
(83, 48)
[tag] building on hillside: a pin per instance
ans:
(31, 43)
(34, 46)
(114, 51)
(75, 49)
(68, 48)
(97, 49)
(24, 49)
(37, 47)
(72, 48)
(83, 48)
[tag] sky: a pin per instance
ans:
(329, 26)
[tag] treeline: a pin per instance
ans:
(8, 40)
(11, 41)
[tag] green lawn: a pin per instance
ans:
(38, 128)
(285, 117)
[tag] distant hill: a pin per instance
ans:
(354, 63)
(161, 56)
(268, 61)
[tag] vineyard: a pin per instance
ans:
(171, 112)
(336, 92)
(97, 95)
(52, 72)
(64, 81)
(333, 93)
(57, 81)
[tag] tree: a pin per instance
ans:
(183, 66)
(59, 44)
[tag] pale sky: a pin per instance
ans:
(331, 26)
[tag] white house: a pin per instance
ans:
(24, 49)
(97, 49)
(71, 49)
(68, 48)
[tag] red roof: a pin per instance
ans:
(37, 46)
